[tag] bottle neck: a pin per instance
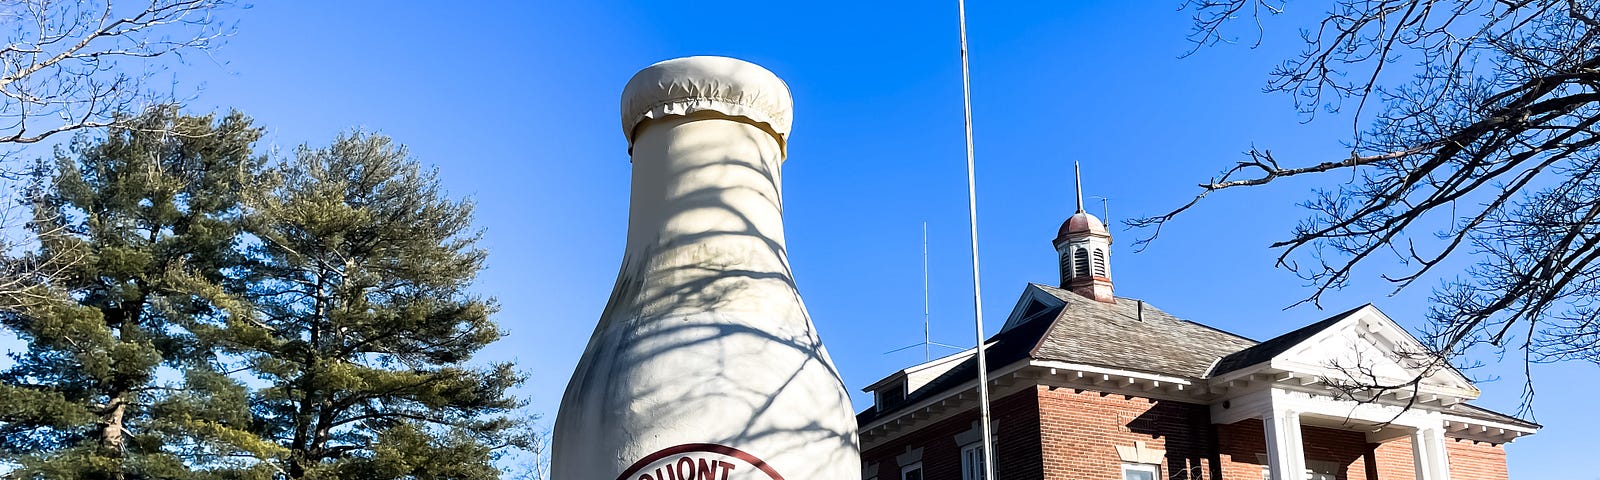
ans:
(705, 222)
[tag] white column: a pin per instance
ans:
(1427, 449)
(1285, 448)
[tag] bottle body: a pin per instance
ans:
(705, 364)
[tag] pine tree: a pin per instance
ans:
(358, 274)
(141, 225)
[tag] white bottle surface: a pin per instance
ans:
(705, 364)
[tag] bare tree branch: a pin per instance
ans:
(74, 65)
(60, 69)
(1487, 136)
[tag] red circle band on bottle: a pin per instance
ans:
(683, 465)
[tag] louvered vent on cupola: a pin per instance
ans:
(1086, 240)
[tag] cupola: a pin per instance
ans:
(1083, 247)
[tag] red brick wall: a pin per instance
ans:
(1346, 449)
(1081, 429)
(1016, 421)
(1241, 444)
(1471, 460)
(1238, 445)
(1070, 434)
(1392, 460)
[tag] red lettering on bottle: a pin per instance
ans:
(685, 468)
(697, 461)
(707, 470)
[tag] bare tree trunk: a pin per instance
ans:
(111, 436)
(304, 450)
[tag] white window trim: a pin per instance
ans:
(1155, 470)
(908, 468)
(966, 466)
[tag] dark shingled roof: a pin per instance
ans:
(1271, 348)
(1113, 335)
(1088, 332)
(1093, 333)
(1003, 349)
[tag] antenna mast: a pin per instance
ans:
(927, 340)
(1105, 202)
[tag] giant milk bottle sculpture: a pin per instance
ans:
(705, 365)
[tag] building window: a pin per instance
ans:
(890, 396)
(911, 472)
(972, 462)
(1100, 263)
(1140, 471)
(1080, 263)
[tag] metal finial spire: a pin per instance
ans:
(1077, 173)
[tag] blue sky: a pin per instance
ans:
(516, 103)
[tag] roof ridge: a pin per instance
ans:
(1055, 321)
(1181, 319)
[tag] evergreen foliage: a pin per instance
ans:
(359, 271)
(140, 224)
(219, 318)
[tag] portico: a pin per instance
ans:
(1355, 372)
(1283, 412)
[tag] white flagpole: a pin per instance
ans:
(977, 291)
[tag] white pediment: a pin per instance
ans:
(1366, 347)
(1034, 302)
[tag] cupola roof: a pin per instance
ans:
(1082, 222)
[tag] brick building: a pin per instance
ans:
(1089, 386)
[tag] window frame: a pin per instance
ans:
(880, 400)
(913, 467)
(966, 466)
(1154, 469)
